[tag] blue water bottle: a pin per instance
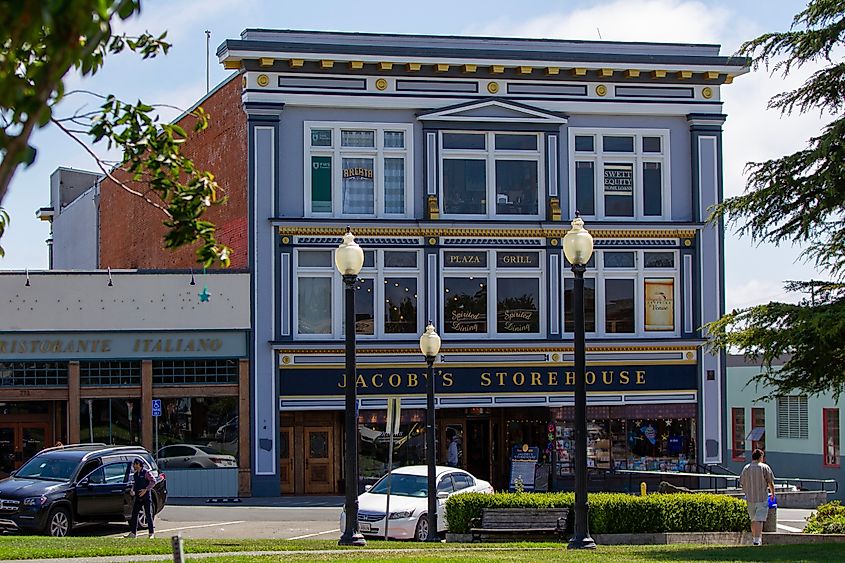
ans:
(773, 502)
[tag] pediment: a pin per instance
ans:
(493, 110)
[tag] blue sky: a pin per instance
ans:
(753, 274)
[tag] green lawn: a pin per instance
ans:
(29, 547)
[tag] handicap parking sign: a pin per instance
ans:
(156, 407)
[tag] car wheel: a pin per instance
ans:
(58, 523)
(421, 533)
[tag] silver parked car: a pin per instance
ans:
(185, 456)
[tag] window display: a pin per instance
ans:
(374, 442)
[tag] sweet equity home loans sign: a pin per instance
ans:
(70, 346)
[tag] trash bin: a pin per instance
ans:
(771, 523)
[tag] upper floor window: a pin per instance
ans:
(486, 174)
(626, 293)
(493, 293)
(357, 169)
(620, 173)
(386, 299)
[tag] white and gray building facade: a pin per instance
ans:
(458, 162)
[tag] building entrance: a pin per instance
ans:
(21, 440)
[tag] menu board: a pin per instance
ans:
(523, 464)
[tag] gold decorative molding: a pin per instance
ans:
(684, 74)
(266, 61)
(497, 69)
(413, 67)
(632, 73)
(553, 242)
(441, 67)
(601, 90)
(296, 63)
(432, 241)
(552, 232)
(385, 66)
(356, 65)
(433, 210)
(554, 208)
(711, 75)
(493, 87)
(262, 80)
(500, 350)
(524, 69)
(707, 92)
(605, 72)
(658, 74)
(579, 72)
(729, 79)
(552, 70)
(381, 84)
(231, 65)
(469, 69)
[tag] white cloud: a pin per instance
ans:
(178, 18)
(755, 292)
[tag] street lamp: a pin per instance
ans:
(429, 346)
(578, 247)
(349, 258)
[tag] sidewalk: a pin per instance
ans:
(310, 501)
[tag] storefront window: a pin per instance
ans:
(830, 435)
(110, 421)
(198, 433)
(408, 443)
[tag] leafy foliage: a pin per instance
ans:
(616, 513)
(828, 519)
(40, 43)
(798, 198)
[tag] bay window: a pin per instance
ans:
(357, 170)
(486, 174)
(488, 293)
(626, 292)
(386, 300)
(620, 174)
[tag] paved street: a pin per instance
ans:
(285, 518)
(291, 518)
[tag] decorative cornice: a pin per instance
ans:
(483, 232)
(500, 350)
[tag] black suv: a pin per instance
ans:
(72, 484)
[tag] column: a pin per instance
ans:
(244, 487)
(706, 166)
(73, 403)
(147, 404)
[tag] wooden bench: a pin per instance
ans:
(519, 524)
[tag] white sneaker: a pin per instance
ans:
(755, 541)
(152, 536)
(130, 535)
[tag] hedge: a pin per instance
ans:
(828, 519)
(616, 513)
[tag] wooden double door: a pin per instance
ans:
(309, 456)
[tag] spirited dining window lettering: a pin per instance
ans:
(619, 173)
(357, 169)
(488, 174)
(495, 293)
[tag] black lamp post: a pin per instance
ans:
(429, 346)
(349, 258)
(578, 247)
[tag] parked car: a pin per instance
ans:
(409, 501)
(67, 485)
(189, 456)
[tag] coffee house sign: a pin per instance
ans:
(70, 346)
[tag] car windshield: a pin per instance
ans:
(209, 451)
(402, 485)
(48, 468)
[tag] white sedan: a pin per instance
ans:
(409, 501)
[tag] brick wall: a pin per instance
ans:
(131, 230)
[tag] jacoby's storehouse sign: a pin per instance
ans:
(119, 345)
(459, 380)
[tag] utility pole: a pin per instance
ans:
(207, 63)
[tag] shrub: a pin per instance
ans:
(828, 519)
(616, 513)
